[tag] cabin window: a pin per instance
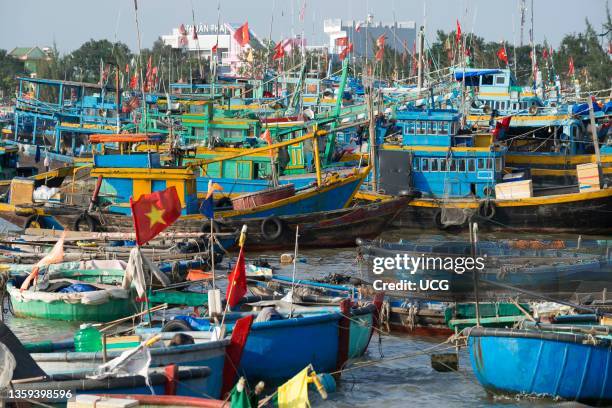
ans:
(424, 164)
(430, 128)
(498, 164)
(462, 165)
(481, 164)
(453, 164)
(419, 127)
(515, 106)
(443, 165)
(500, 80)
(434, 164)
(443, 128)
(409, 129)
(487, 80)
(471, 165)
(416, 164)
(489, 164)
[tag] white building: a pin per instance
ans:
(363, 34)
(208, 35)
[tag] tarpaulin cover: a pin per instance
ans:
(471, 74)
(583, 108)
(77, 288)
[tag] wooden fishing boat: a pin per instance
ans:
(328, 229)
(29, 378)
(279, 348)
(95, 296)
(262, 197)
(556, 364)
(220, 356)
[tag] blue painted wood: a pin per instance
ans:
(551, 364)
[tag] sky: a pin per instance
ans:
(69, 23)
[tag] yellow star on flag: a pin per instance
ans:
(155, 216)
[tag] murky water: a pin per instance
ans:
(395, 373)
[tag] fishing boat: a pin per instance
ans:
(461, 177)
(92, 295)
(570, 365)
(29, 380)
(325, 337)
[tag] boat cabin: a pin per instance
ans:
(424, 150)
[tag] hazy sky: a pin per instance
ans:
(72, 22)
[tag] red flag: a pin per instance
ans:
(458, 34)
(342, 41)
(345, 52)
(127, 68)
(266, 136)
(501, 127)
(153, 213)
(380, 53)
(501, 54)
(570, 70)
(182, 30)
(242, 35)
(545, 53)
(233, 353)
(279, 50)
(380, 41)
(195, 33)
(214, 48)
(237, 285)
(358, 27)
(134, 81)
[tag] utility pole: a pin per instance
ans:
(420, 60)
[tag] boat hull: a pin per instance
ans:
(546, 364)
(584, 212)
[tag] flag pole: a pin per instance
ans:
(212, 251)
(231, 287)
(295, 254)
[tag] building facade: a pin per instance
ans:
(399, 35)
(209, 35)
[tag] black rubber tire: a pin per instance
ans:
(85, 222)
(272, 228)
(177, 325)
(488, 191)
(486, 209)
(437, 219)
(206, 227)
(224, 202)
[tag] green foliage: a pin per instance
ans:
(84, 63)
(9, 69)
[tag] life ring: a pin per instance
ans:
(177, 325)
(486, 109)
(486, 209)
(215, 227)
(533, 110)
(224, 202)
(85, 222)
(271, 228)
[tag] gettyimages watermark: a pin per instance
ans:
(423, 273)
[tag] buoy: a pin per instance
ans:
(286, 258)
(328, 382)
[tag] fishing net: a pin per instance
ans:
(7, 366)
(450, 216)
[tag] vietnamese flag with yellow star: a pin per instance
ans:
(153, 213)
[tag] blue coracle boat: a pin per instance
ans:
(557, 364)
(278, 349)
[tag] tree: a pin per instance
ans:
(9, 69)
(85, 61)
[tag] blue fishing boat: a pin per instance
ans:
(460, 176)
(555, 364)
(279, 348)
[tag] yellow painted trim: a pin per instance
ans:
(436, 148)
(532, 201)
(299, 197)
(514, 158)
(518, 118)
(146, 174)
